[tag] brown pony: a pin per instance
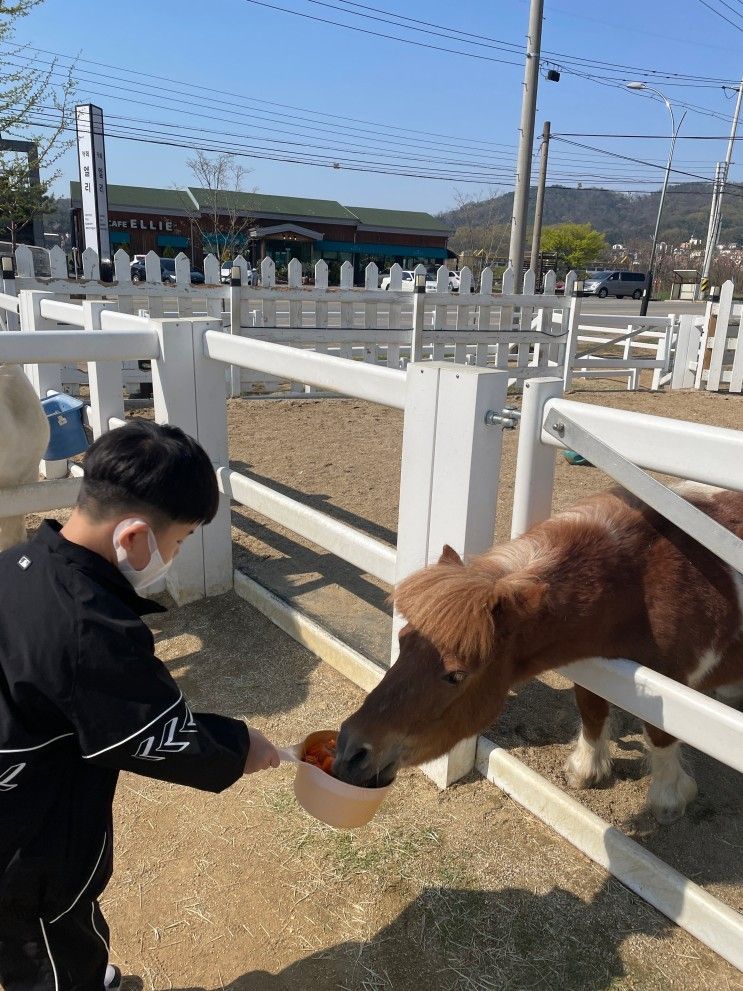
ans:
(608, 578)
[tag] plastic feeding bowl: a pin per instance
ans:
(326, 798)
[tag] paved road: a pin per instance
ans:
(662, 308)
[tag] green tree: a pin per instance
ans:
(21, 196)
(28, 100)
(576, 245)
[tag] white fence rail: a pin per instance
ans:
(709, 353)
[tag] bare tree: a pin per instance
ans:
(29, 100)
(221, 219)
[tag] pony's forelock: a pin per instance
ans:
(452, 607)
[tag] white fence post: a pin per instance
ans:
(346, 285)
(719, 343)
(416, 337)
(449, 485)
(211, 433)
(535, 461)
(234, 372)
(44, 378)
(212, 271)
(174, 395)
(57, 263)
(104, 377)
(395, 319)
(571, 346)
(9, 287)
(24, 262)
(92, 268)
(687, 352)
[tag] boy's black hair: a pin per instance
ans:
(149, 469)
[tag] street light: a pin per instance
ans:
(674, 134)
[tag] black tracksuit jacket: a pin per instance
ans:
(82, 697)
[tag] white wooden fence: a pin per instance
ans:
(525, 333)
(449, 485)
(710, 348)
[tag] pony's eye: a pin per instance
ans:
(455, 677)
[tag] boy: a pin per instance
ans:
(82, 697)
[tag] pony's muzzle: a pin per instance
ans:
(358, 764)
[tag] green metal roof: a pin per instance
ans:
(259, 203)
(410, 219)
(142, 196)
(256, 204)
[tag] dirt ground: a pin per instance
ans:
(455, 891)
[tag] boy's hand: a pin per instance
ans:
(262, 753)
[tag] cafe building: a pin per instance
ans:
(259, 225)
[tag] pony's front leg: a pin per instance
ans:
(671, 788)
(590, 763)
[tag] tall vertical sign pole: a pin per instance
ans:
(91, 155)
(526, 143)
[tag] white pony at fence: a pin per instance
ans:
(24, 435)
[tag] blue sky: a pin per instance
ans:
(455, 113)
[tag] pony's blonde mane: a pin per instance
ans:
(452, 605)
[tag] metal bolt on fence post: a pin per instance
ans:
(508, 418)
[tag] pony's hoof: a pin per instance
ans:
(669, 804)
(581, 773)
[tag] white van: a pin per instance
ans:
(615, 283)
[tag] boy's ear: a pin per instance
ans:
(450, 556)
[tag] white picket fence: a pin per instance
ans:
(709, 353)
(525, 333)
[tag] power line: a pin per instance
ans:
(294, 140)
(138, 75)
(720, 14)
(647, 137)
(510, 47)
(379, 34)
(733, 9)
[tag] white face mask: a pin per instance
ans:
(153, 571)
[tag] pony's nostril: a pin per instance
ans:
(350, 753)
(359, 756)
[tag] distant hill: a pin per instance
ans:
(622, 217)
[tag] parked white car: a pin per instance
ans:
(225, 274)
(408, 281)
(454, 282)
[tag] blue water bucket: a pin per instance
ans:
(66, 431)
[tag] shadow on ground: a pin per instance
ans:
(449, 939)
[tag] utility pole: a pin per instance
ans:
(526, 142)
(721, 178)
(539, 208)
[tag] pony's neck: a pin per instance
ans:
(583, 614)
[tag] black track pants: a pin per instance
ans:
(64, 953)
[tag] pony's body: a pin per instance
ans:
(608, 578)
(24, 435)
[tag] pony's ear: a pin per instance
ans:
(450, 556)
